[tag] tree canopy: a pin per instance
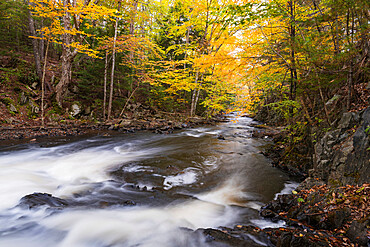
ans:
(200, 57)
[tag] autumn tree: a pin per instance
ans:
(199, 40)
(70, 23)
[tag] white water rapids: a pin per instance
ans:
(179, 182)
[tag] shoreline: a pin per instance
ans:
(158, 126)
(323, 212)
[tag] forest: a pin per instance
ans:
(299, 67)
(296, 64)
(190, 57)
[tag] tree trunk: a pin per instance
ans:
(42, 42)
(127, 101)
(196, 100)
(197, 96)
(192, 109)
(132, 31)
(36, 54)
(293, 71)
(43, 87)
(350, 85)
(67, 58)
(105, 83)
(113, 64)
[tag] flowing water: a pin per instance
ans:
(139, 189)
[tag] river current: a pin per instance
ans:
(139, 189)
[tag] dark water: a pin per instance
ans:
(189, 179)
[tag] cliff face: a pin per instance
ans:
(331, 207)
(342, 156)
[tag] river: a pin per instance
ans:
(139, 189)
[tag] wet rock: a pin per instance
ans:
(339, 215)
(105, 204)
(264, 131)
(282, 203)
(267, 213)
(220, 137)
(240, 236)
(41, 199)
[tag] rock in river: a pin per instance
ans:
(40, 199)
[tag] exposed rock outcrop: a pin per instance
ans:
(343, 155)
(332, 205)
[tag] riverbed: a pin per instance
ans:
(137, 189)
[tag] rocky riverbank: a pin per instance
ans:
(331, 207)
(322, 216)
(126, 125)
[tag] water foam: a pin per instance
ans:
(186, 177)
(139, 225)
(49, 170)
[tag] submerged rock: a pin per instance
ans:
(41, 199)
(220, 137)
(239, 236)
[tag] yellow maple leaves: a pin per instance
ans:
(72, 19)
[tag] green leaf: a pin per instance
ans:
(300, 200)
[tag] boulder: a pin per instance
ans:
(220, 137)
(41, 199)
(357, 232)
(12, 108)
(348, 120)
(242, 236)
(75, 109)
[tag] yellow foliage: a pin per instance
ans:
(66, 19)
